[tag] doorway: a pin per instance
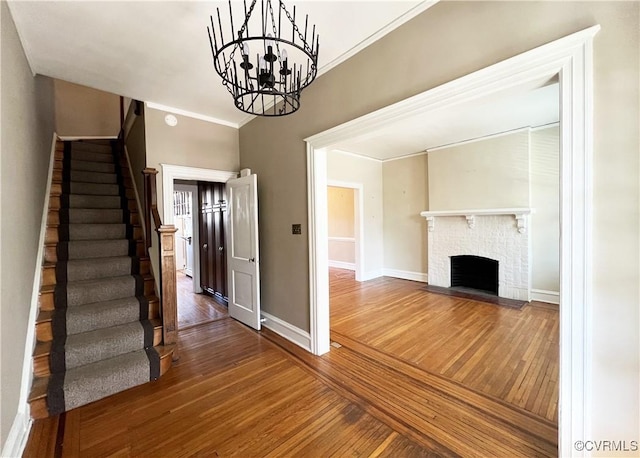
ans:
(346, 231)
(571, 59)
(197, 219)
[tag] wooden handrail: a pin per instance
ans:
(167, 259)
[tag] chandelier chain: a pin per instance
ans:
(242, 29)
(295, 27)
(273, 26)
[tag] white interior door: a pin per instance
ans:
(243, 263)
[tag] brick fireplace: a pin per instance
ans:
(500, 235)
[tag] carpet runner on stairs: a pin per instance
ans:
(102, 336)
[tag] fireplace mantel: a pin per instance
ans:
(519, 214)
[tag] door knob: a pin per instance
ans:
(252, 259)
(205, 247)
(220, 248)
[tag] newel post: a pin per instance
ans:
(168, 286)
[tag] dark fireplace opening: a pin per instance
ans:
(474, 272)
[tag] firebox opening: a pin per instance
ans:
(474, 272)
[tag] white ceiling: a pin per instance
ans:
(534, 105)
(158, 51)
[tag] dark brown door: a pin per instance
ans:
(213, 260)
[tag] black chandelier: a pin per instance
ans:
(267, 63)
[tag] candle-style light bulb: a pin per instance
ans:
(284, 56)
(270, 42)
(245, 48)
(263, 64)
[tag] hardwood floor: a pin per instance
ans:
(233, 393)
(194, 309)
(512, 355)
(237, 392)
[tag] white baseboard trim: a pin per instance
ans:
(288, 331)
(18, 435)
(407, 275)
(371, 274)
(342, 265)
(542, 295)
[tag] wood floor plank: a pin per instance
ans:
(195, 309)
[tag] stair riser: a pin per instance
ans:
(51, 254)
(49, 272)
(83, 216)
(46, 301)
(56, 189)
(93, 177)
(87, 148)
(42, 368)
(87, 166)
(80, 297)
(91, 156)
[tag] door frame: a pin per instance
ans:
(358, 230)
(571, 58)
(170, 172)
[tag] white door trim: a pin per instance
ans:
(571, 58)
(358, 202)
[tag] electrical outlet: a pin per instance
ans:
(296, 229)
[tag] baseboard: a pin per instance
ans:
(407, 275)
(342, 265)
(18, 435)
(371, 274)
(542, 295)
(288, 331)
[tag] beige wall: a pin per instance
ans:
(406, 194)
(545, 200)
(341, 220)
(488, 173)
(454, 39)
(353, 169)
(83, 111)
(27, 112)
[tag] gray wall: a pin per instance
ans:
(454, 39)
(27, 131)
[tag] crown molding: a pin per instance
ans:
(191, 114)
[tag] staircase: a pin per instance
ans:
(98, 329)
